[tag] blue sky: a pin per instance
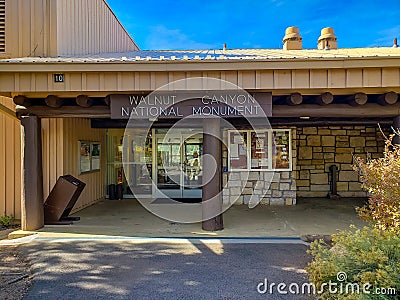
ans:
(179, 24)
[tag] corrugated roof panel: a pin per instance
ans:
(220, 55)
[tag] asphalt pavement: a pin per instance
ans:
(194, 269)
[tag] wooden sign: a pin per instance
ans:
(226, 104)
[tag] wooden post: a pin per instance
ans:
(84, 101)
(388, 98)
(212, 199)
(294, 99)
(396, 127)
(32, 207)
(54, 101)
(357, 99)
(325, 98)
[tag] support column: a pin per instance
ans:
(32, 195)
(212, 162)
(396, 126)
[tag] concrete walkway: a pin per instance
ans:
(127, 218)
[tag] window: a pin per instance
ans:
(262, 150)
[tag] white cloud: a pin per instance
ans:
(387, 36)
(163, 38)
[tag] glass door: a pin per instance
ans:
(169, 166)
(192, 168)
(178, 169)
(136, 176)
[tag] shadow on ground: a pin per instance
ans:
(126, 270)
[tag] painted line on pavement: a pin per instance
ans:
(19, 241)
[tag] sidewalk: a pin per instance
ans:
(127, 218)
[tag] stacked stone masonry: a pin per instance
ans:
(321, 147)
(266, 187)
(314, 150)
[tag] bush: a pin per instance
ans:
(368, 255)
(6, 221)
(381, 178)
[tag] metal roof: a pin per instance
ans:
(216, 55)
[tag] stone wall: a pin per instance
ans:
(321, 147)
(267, 187)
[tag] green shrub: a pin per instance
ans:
(381, 178)
(368, 255)
(6, 221)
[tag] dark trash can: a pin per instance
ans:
(62, 199)
(112, 192)
(120, 191)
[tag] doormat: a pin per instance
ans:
(176, 200)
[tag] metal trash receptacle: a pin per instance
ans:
(62, 198)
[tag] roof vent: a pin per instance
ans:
(327, 40)
(395, 43)
(292, 39)
(2, 26)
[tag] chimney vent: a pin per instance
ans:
(395, 43)
(327, 40)
(292, 39)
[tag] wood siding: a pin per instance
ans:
(308, 81)
(93, 28)
(10, 162)
(38, 17)
(60, 139)
(62, 27)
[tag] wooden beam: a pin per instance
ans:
(32, 215)
(311, 110)
(294, 99)
(107, 100)
(372, 110)
(325, 98)
(84, 101)
(357, 99)
(327, 122)
(65, 112)
(22, 100)
(54, 101)
(389, 98)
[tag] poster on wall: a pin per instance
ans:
(95, 155)
(84, 157)
(89, 156)
(238, 150)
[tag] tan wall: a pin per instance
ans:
(63, 27)
(60, 139)
(10, 162)
(86, 79)
(92, 27)
(321, 147)
(34, 15)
